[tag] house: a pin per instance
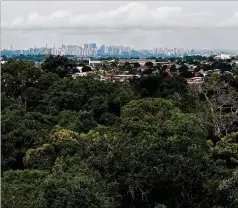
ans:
(195, 80)
(79, 68)
(222, 57)
(94, 63)
(79, 74)
(119, 77)
(235, 61)
(144, 70)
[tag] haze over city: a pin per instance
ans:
(187, 24)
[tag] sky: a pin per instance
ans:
(138, 24)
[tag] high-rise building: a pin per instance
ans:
(120, 49)
(94, 52)
(127, 49)
(85, 46)
(101, 49)
(86, 52)
(106, 50)
(117, 51)
(92, 46)
(31, 50)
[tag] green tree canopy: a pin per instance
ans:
(60, 65)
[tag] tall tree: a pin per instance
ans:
(59, 65)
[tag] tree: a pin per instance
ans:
(46, 80)
(163, 68)
(86, 94)
(21, 131)
(71, 185)
(159, 85)
(222, 66)
(105, 65)
(62, 143)
(149, 64)
(225, 152)
(81, 121)
(21, 188)
(59, 65)
(150, 142)
(145, 115)
(228, 191)
(164, 160)
(184, 72)
(173, 68)
(133, 71)
(127, 67)
(136, 65)
(86, 69)
(109, 119)
(115, 65)
(206, 67)
(19, 80)
(221, 98)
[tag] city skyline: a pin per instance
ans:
(93, 50)
(82, 45)
(139, 25)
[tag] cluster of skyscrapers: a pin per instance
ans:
(91, 50)
(85, 50)
(113, 50)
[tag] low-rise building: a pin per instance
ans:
(195, 80)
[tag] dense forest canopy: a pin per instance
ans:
(154, 141)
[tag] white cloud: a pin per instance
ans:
(18, 21)
(232, 21)
(61, 14)
(132, 15)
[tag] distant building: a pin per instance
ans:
(195, 80)
(94, 63)
(92, 46)
(85, 46)
(79, 68)
(3, 62)
(223, 57)
(79, 74)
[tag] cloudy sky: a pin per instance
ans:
(139, 24)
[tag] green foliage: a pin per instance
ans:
(226, 151)
(25, 83)
(68, 185)
(86, 69)
(63, 143)
(228, 191)
(184, 71)
(222, 66)
(81, 121)
(172, 156)
(146, 115)
(86, 94)
(71, 185)
(46, 80)
(21, 188)
(19, 80)
(136, 65)
(41, 158)
(149, 64)
(173, 68)
(159, 86)
(89, 143)
(60, 65)
(21, 130)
